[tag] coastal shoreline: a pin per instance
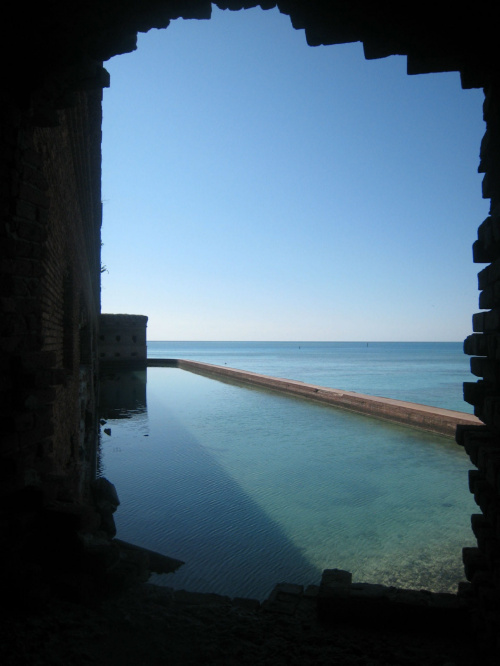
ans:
(432, 419)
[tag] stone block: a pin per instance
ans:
(246, 604)
(284, 599)
(200, 598)
(71, 517)
(104, 493)
(99, 556)
(335, 583)
(157, 562)
(289, 589)
(311, 591)
(474, 562)
(370, 591)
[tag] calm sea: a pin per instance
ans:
(251, 488)
(430, 373)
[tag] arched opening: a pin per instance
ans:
(302, 223)
(51, 204)
(257, 160)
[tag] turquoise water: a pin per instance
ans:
(430, 373)
(251, 488)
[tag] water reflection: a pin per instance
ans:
(176, 498)
(122, 393)
(250, 488)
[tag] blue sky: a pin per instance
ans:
(255, 188)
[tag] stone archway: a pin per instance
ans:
(52, 86)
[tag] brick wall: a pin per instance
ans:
(50, 221)
(50, 297)
(482, 564)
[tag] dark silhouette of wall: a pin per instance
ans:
(50, 294)
(52, 80)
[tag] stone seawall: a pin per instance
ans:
(432, 419)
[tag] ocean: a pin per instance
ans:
(429, 373)
(251, 488)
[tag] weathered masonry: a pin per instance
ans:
(50, 161)
(122, 339)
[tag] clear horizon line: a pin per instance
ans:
(302, 341)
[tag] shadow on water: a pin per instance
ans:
(251, 488)
(176, 498)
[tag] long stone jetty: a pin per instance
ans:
(432, 419)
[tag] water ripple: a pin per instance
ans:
(250, 488)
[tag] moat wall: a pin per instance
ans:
(432, 419)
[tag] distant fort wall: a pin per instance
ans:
(122, 340)
(432, 419)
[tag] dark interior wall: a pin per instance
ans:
(52, 80)
(70, 295)
(51, 296)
